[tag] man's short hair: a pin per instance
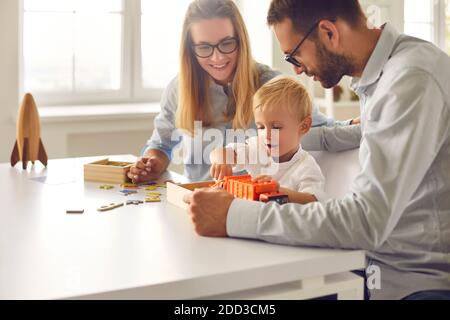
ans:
(284, 91)
(305, 13)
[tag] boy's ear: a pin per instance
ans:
(306, 124)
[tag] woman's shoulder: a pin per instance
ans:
(171, 90)
(173, 84)
(169, 97)
(266, 73)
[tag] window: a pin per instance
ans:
(107, 51)
(97, 51)
(71, 47)
(162, 23)
(429, 20)
(447, 26)
(254, 14)
(419, 19)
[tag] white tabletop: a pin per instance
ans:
(148, 251)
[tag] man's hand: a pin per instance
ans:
(208, 209)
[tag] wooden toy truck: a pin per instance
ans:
(243, 187)
(240, 186)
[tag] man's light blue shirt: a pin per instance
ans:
(398, 207)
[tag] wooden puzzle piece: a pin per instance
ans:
(106, 187)
(75, 211)
(110, 206)
(153, 199)
(147, 184)
(153, 194)
(129, 185)
(135, 202)
(128, 192)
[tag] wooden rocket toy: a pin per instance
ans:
(28, 146)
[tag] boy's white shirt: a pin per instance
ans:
(301, 173)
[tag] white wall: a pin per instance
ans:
(77, 138)
(9, 73)
(66, 136)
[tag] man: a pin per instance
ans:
(398, 208)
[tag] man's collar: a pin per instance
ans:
(378, 59)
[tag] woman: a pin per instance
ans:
(217, 80)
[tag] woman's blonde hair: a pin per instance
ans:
(194, 101)
(284, 91)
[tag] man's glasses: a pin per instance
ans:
(290, 57)
(205, 50)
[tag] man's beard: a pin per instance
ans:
(332, 67)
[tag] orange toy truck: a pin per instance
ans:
(243, 187)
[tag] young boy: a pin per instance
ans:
(282, 111)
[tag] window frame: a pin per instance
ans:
(437, 23)
(439, 20)
(131, 89)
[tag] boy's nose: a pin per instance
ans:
(268, 135)
(274, 137)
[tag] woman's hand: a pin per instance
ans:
(146, 169)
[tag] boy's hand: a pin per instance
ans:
(265, 178)
(355, 121)
(219, 171)
(145, 169)
(221, 163)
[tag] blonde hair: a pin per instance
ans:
(284, 91)
(194, 101)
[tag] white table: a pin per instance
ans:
(148, 251)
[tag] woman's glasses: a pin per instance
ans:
(206, 50)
